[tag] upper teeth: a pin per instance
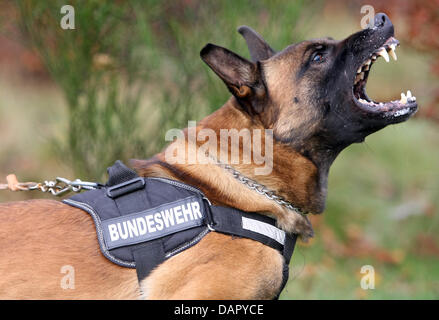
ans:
(392, 51)
(384, 51)
(384, 54)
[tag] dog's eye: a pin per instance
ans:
(317, 57)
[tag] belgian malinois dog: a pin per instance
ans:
(311, 95)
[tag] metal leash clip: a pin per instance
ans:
(62, 185)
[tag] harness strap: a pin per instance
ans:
(254, 226)
(125, 182)
(119, 173)
(287, 253)
(147, 257)
(257, 227)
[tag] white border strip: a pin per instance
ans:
(264, 228)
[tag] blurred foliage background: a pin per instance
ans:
(73, 101)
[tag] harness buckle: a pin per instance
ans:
(125, 187)
(209, 218)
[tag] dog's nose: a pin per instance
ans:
(382, 20)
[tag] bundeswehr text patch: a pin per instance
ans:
(153, 223)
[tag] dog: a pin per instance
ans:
(311, 95)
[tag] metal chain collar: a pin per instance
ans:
(259, 188)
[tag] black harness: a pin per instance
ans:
(141, 222)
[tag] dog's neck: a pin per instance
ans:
(293, 176)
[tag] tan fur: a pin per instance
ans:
(38, 238)
(221, 188)
(283, 90)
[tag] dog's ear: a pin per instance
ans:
(242, 77)
(259, 49)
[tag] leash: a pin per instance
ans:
(56, 187)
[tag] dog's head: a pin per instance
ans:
(312, 94)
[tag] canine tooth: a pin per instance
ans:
(392, 53)
(409, 94)
(383, 53)
(403, 98)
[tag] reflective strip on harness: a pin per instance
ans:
(265, 229)
(153, 223)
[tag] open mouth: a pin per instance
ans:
(401, 108)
